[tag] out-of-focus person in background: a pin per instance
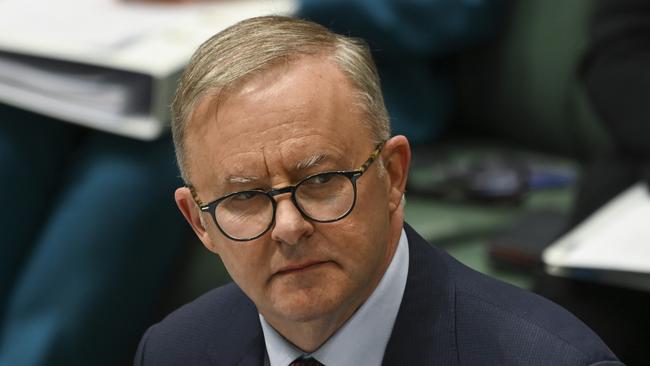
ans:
(88, 235)
(616, 74)
(412, 42)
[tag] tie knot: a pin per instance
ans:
(306, 362)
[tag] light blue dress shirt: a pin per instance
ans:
(363, 338)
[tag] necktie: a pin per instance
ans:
(306, 362)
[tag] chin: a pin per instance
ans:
(305, 315)
(306, 306)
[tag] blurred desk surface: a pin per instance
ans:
(464, 229)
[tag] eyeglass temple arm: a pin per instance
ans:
(372, 157)
(195, 196)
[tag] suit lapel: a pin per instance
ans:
(254, 357)
(424, 331)
(254, 353)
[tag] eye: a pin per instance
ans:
(320, 179)
(242, 196)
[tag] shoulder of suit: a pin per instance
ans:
(183, 336)
(526, 325)
(216, 304)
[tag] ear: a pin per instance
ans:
(194, 216)
(397, 158)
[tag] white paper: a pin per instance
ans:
(120, 38)
(102, 89)
(615, 238)
(143, 37)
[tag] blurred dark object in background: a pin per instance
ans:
(619, 316)
(616, 73)
(520, 248)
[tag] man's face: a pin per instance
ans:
(282, 125)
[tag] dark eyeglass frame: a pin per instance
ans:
(352, 175)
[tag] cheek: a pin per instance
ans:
(365, 233)
(358, 247)
(370, 217)
(246, 263)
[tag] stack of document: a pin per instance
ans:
(612, 246)
(108, 64)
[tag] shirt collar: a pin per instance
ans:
(363, 338)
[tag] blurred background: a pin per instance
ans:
(525, 117)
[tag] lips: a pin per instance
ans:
(299, 267)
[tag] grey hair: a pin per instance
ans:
(226, 59)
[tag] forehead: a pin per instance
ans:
(282, 116)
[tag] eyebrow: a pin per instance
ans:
(311, 161)
(307, 163)
(234, 179)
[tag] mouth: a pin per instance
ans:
(300, 267)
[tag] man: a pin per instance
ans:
(283, 140)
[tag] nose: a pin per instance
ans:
(290, 226)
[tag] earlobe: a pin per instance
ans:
(397, 160)
(192, 214)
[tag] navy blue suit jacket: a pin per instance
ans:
(450, 315)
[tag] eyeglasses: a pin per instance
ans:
(321, 197)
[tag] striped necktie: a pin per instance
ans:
(306, 362)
